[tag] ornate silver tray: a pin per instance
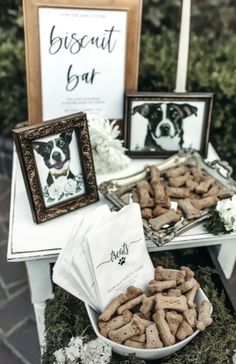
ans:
(118, 190)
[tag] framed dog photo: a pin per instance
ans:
(57, 166)
(160, 124)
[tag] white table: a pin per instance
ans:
(39, 245)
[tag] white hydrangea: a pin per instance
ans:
(60, 356)
(55, 191)
(96, 352)
(227, 212)
(70, 186)
(70, 354)
(108, 151)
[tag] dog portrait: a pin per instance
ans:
(158, 125)
(57, 165)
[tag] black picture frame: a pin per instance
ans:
(169, 115)
(47, 152)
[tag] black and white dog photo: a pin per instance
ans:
(164, 124)
(56, 155)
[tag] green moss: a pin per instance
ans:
(66, 316)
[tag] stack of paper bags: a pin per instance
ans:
(105, 254)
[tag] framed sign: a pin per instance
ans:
(57, 166)
(160, 124)
(81, 55)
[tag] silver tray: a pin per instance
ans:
(117, 189)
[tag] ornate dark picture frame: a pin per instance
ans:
(57, 166)
(160, 124)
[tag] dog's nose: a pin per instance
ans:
(165, 129)
(56, 156)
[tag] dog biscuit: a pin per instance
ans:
(134, 327)
(147, 305)
(190, 316)
(140, 338)
(147, 213)
(167, 218)
(176, 172)
(155, 174)
(131, 304)
(184, 331)
(153, 340)
(174, 320)
(177, 192)
(158, 210)
(204, 315)
(205, 202)
(159, 286)
(189, 210)
(171, 302)
(166, 336)
(187, 286)
(204, 186)
(135, 344)
(163, 274)
(112, 307)
(114, 323)
(143, 190)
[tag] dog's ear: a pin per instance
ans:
(67, 136)
(142, 109)
(188, 110)
(38, 146)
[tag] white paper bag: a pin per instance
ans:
(118, 254)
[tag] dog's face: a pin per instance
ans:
(55, 153)
(165, 119)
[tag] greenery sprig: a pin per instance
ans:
(214, 224)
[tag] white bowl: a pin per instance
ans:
(146, 354)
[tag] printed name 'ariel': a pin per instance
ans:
(74, 44)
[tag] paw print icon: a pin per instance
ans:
(122, 261)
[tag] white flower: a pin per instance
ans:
(55, 190)
(96, 352)
(227, 212)
(70, 186)
(60, 356)
(108, 151)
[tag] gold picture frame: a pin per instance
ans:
(57, 166)
(32, 43)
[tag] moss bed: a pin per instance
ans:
(66, 316)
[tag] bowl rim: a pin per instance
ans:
(143, 350)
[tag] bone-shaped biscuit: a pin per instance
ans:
(188, 271)
(134, 327)
(167, 218)
(155, 174)
(191, 184)
(140, 338)
(197, 173)
(224, 193)
(174, 292)
(189, 210)
(160, 196)
(131, 304)
(159, 286)
(204, 315)
(178, 192)
(163, 274)
(166, 336)
(178, 181)
(205, 202)
(143, 190)
(112, 307)
(135, 344)
(147, 213)
(158, 210)
(213, 191)
(174, 319)
(184, 331)
(142, 320)
(187, 286)
(176, 172)
(153, 340)
(147, 305)
(191, 295)
(114, 323)
(171, 302)
(204, 186)
(190, 316)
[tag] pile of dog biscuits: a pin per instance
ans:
(190, 187)
(164, 315)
